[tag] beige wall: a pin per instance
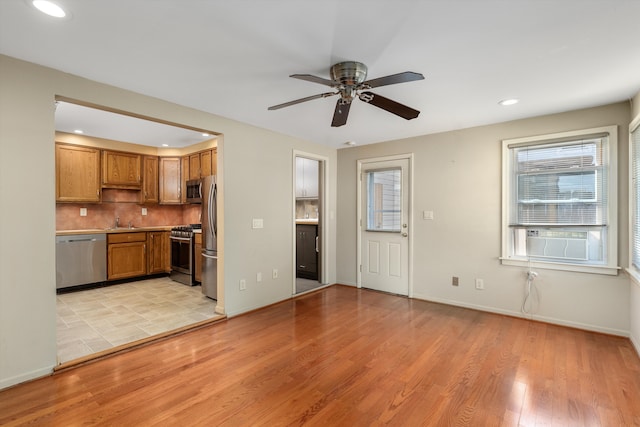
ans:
(257, 182)
(457, 175)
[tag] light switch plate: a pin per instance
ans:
(427, 214)
(257, 223)
(144, 211)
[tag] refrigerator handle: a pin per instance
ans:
(213, 220)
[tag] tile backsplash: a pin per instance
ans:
(306, 208)
(123, 204)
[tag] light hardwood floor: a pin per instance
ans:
(348, 357)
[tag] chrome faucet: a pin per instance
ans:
(117, 222)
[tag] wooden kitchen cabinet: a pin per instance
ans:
(184, 178)
(306, 254)
(126, 255)
(194, 166)
(159, 254)
(170, 182)
(149, 193)
(121, 170)
(197, 253)
(203, 164)
(77, 173)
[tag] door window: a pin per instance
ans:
(384, 196)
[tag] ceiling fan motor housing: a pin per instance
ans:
(349, 73)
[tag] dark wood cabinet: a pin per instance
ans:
(306, 253)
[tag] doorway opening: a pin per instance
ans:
(134, 299)
(309, 213)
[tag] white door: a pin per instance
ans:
(385, 226)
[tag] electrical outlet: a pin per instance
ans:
(455, 281)
(274, 274)
(479, 284)
(258, 277)
(243, 285)
(144, 211)
(83, 211)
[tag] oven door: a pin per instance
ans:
(181, 254)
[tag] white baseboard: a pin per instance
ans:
(636, 343)
(552, 320)
(27, 376)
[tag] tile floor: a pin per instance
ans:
(304, 285)
(94, 320)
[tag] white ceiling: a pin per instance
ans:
(118, 127)
(233, 58)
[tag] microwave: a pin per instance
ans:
(194, 191)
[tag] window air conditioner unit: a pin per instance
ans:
(558, 244)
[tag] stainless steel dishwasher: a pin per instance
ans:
(81, 259)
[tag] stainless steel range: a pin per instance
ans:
(182, 256)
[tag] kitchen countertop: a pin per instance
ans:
(113, 230)
(311, 221)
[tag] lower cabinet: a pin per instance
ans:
(137, 254)
(306, 254)
(159, 252)
(126, 255)
(197, 253)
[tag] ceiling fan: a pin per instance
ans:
(348, 78)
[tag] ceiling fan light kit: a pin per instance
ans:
(349, 80)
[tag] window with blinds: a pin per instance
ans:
(560, 184)
(556, 199)
(635, 196)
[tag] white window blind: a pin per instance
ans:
(560, 183)
(635, 190)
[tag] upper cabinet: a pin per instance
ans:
(185, 177)
(306, 178)
(77, 173)
(170, 182)
(121, 170)
(82, 172)
(202, 164)
(149, 193)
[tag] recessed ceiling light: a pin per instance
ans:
(511, 101)
(49, 8)
(165, 145)
(78, 131)
(350, 143)
(205, 134)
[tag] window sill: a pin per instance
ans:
(592, 269)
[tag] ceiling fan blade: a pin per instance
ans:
(407, 76)
(298, 101)
(340, 114)
(389, 105)
(314, 79)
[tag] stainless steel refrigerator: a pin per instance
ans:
(209, 237)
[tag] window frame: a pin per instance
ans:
(632, 270)
(610, 267)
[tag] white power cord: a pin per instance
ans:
(531, 293)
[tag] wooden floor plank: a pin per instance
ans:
(349, 357)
